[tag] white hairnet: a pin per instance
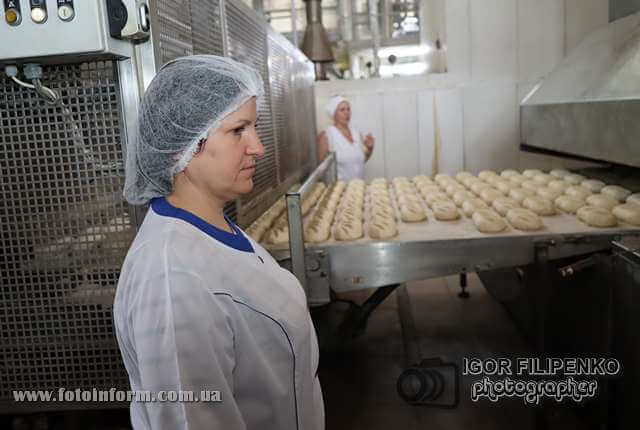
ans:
(332, 105)
(187, 99)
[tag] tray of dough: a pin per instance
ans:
(454, 207)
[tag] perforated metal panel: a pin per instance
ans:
(171, 24)
(304, 117)
(65, 231)
(247, 40)
(283, 109)
(207, 27)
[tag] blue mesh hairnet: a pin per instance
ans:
(187, 99)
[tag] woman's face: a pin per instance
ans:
(343, 113)
(225, 165)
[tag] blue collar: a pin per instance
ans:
(236, 240)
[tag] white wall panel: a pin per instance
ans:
(426, 134)
(367, 115)
(583, 16)
(449, 105)
(491, 127)
(401, 134)
(493, 40)
(540, 37)
(458, 37)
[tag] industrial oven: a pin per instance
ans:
(72, 73)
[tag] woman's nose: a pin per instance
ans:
(255, 146)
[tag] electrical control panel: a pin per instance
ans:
(59, 30)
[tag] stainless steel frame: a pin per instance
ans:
(354, 266)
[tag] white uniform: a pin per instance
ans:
(350, 156)
(198, 308)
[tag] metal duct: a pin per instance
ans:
(316, 42)
(589, 106)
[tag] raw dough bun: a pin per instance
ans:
(569, 204)
(422, 179)
(519, 194)
(442, 179)
(502, 205)
(493, 180)
(408, 198)
(451, 189)
(490, 194)
(531, 185)
(309, 201)
(411, 212)
(317, 231)
(485, 174)
(381, 209)
(628, 212)
(596, 217)
(472, 205)
(505, 186)
(574, 179)
(634, 198)
(593, 185)
(460, 176)
(429, 189)
(488, 221)
(602, 201)
(382, 228)
(539, 205)
(348, 228)
(517, 179)
(559, 185)
(616, 192)
(434, 197)
(467, 182)
(461, 196)
(278, 234)
(524, 219)
(445, 210)
(509, 173)
(559, 173)
(549, 193)
(479, 186)
(578, 192)
(543, 178)
(531, 173)
(400, 179)
(379, 180)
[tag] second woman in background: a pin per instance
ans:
(351, 148)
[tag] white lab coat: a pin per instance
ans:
(195, 311)
(350, 157)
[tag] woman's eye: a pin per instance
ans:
(239, 130)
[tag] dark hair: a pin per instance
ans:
(200, 146)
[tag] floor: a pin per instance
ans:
(359, 384)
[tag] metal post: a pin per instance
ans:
(296, 237)
(542, 283)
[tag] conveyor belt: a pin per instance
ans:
(438, 248)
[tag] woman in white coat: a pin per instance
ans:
(351, 147)
(200, 307)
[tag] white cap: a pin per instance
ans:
(332, 105)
